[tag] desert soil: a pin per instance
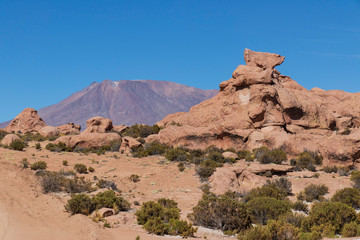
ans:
(27, 213)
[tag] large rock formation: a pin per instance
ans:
(9, 138)
(69, 128)
(88, 140)
(27, 121)
(259, 106)
(49, 131)
(98, 125)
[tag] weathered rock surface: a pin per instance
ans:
(120, 128)
(69, 128)
(128, 143)
(230, 155)
(104, 212)
(27, 121)
(98, 125)
(259, 106)
(86, 140)
(49, 131)
(9, 138)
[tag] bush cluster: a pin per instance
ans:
(308, 160)
(80, 168)
(224, 212)
(163, 217)
(83, 204)
(348, 196)
(355, 177)
(60, 147)
(107, 184)
(141, 130)
(313, 192)
(266, 156)
(17, 145)
(64, 182)
(40, 165)
(330, 169)
(2, 134)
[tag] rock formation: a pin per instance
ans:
(27, 121)
(128, 143)
(259, 106)
(69, 128)
(87, 140)
(98, 125)
(8, 139)
(49, 131)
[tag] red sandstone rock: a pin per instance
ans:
(49, 131)
(27, 121)
(98, 125)
(69, 128)
(9, 138)
(86, 140)
(128, 143)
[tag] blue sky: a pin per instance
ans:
(51, 49)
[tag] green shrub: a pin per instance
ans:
(256, 233)
(263, 209)
(206, 169)
(40, 165)
(76, 185)
(176, 155)
(25, 163)
(108, 199)
(308, 160)
(60, 147)
(350, 230)
(313, 192)
(222, 212)
(106, 184)
(2, 134)
(17, 145)
(266, 156)
(38, 146)
(349, 196)
(300, 206)
(330, 169)
(292, 218)
(281, 183)
(134, 178)
(65, 163)
(80, 168)
(91, 169)
(59, 182)
(355, 177)
(265, 191)
(333, 214)
(142, 131)
(153, 148)
(162, 217)
(246, 154)
(181, 166)
(80, 204)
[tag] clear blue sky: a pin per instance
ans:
(50, 49)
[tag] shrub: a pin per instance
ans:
(335, 214)
(65, 163)
(300, 206)
(265, 191)
(153, 148)
(292, 218)
(106, 184)
(134, 178)
(350, 230)
(222, 212)
(256, 233)
(206, 169)
(52, 182)
(108, 199)
(308, 160)
(181, 166)
(80, 204)
(313, 192)
(17, 145)
(80, 168)
(343, 171)
(59, 182)
(281, 183)
(2, 134)
(38, 146)
(60, 147)
(91, 169)
(142, 131)
(76, 185)
(25, 163)
(162, 217)
(330, 169)
(263, 209)
(246, 154)
(276, 156)
(355, 177)
(176, 154)
(349, 196)
(40, 165)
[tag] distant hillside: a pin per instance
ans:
(125, 102)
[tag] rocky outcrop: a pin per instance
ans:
(8, 139)
(69, 128)
(87, 140)
(98, 125)
(49, 131)
(128, 143)
(120, 128)
(27, 121)
(259, 106)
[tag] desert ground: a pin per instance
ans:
(27, 213)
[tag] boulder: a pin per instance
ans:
(9, 138)
(230, 155)
(98, 125)
(69, 128)
(86, 140)
(128, 143)
(258, 106)
(103, 212)
(27, 121)
(120, 128)
(49, 131)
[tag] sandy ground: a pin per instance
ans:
(27, 213)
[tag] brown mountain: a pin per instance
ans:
(125, 102)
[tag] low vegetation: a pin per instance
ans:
(163, 217)
(313, 192)
(40, 165)
(141, 131)
(64, 182)
(308, 160)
